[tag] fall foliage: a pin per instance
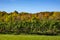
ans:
(29, 23)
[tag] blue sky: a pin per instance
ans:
(29, 5)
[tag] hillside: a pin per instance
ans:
(30, 23)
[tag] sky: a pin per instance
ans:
(31, 6)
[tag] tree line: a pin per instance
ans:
(42, 23)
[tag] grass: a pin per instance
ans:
(28, 37)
